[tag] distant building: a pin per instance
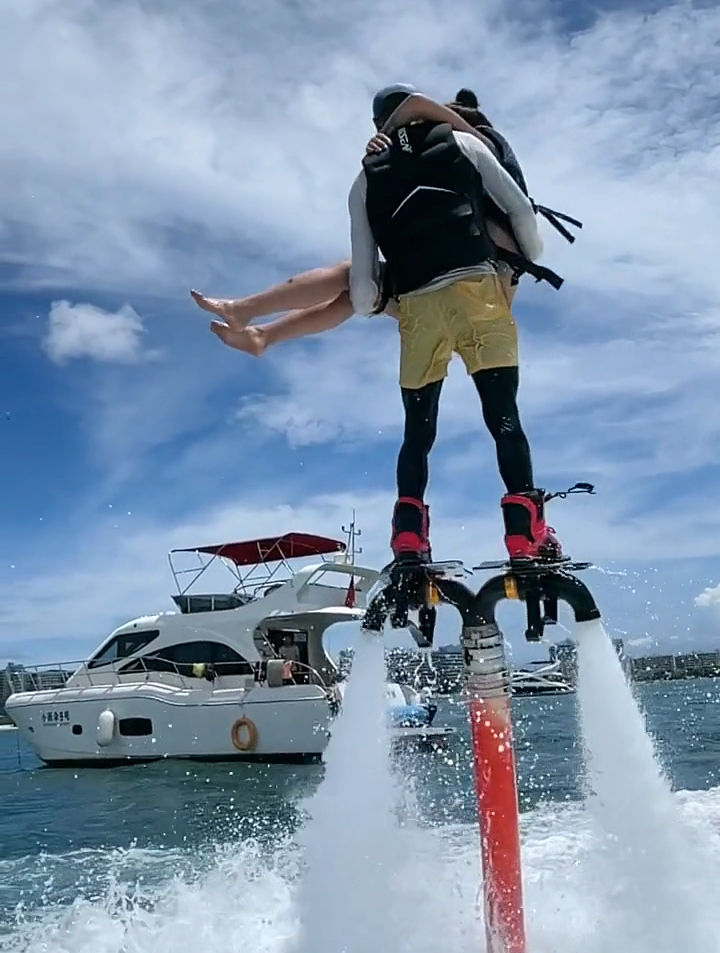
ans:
(12, 679)
(16, 678)
(693, 665)
(565, 652)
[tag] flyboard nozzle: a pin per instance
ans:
(423, 632)
(403, 589)
(378, 607)
(536, 623)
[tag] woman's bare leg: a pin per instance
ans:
(295, 324)
(307, 290)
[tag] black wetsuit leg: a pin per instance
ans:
(498, 390)
(421, 413)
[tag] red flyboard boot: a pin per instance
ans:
(410, 530)
(527, 535)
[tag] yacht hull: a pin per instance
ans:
(150, 722)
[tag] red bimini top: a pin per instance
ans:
(271, 549)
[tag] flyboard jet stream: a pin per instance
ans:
(419, 587)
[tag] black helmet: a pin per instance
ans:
(466, 97)
(390, 98)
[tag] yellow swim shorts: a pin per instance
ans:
(471, 318)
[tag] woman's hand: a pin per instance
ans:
(379, 143)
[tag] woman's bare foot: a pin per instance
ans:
(251, 340)
(231, 310)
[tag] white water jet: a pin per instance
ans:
(645, 854)
(350, 841)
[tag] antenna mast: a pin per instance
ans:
(352, 533)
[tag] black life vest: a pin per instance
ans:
(520, 264)
(425, 206)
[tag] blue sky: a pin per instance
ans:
(154, 148)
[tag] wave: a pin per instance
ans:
(241, 897)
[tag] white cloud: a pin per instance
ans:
(82, 330)
(145, 134)
(643, 644)
(148, 151)
(709, 598)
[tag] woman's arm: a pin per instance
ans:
(421, 107)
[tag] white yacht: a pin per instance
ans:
(546, 678)
(210, 681)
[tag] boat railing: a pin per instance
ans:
(55, 675)
(309, 671)
(543, 670)
(547, 675)
(36, 678)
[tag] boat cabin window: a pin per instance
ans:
(281, 637)
(187, 603)
(182, 657)
(135, 727)
(122, 646)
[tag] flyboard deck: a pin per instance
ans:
(457, 568)
(533, 566)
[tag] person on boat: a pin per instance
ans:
(421, 203)
(290, 654)
(319, 300)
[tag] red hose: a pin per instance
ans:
(497, 799)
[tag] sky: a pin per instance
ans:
(153, 147)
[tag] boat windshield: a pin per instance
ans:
(122, 646)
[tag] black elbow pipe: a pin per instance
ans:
(458, 595)
(487, 598)
(555, 585)
(570, 589)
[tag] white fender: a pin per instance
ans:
(275, 672)
(105, 728)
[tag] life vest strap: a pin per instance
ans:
(521, 265)
(552, 216)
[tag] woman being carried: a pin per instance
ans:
(319, 300)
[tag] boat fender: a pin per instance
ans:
(105, 728)
(274, 672)
(244, 734)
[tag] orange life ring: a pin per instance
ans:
(251, 741)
